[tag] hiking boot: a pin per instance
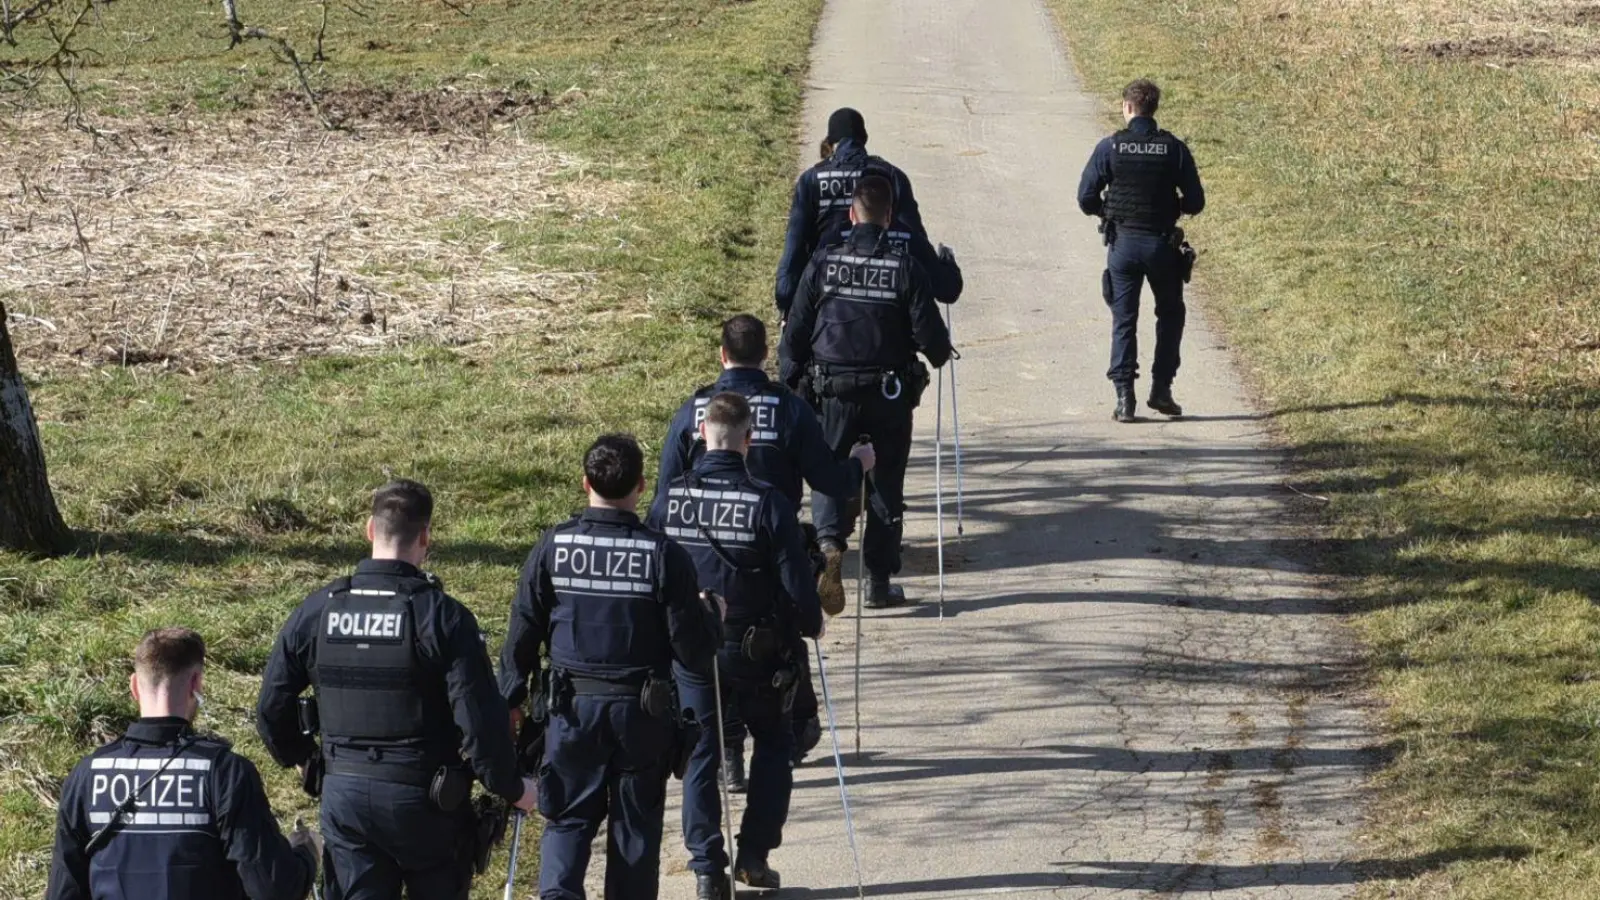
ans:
(807, 735)
(1161, 400)
(830, 584)
(712, 887)
(734, 774)
(885, 595)
(757, 874)
(1126, 403)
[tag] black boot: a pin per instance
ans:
(1161, 400)
(756, 873)
(711, 887)
(883, 595)
(737, 782)
(1126, 403)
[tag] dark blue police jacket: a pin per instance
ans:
(745, 539)
(1097, 174)
(786, 442)
(819, 214)
(200, 829)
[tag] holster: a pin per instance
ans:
(558, 693)
(490, 830)
(450, 788)
(311, 781)
(311, 725)
(762, 644)
(1186, 254)
(659, 697)
(916, 379)
(786, 681)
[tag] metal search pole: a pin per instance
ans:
(838, 766)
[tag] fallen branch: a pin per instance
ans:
(293, 59)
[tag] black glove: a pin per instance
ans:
(946, 255)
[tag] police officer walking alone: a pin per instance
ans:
(787, 450)
(747, 546)
(617, 605)
(403, 687)
(819, 213)
(166, 813)
(1140, 180)
(861, 313)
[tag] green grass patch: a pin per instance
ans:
(1400, 194)
(218, 499)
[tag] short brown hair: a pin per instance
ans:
(165, 654)
(1143, 95)
(729, 410)
(401, 510)
(744, 339)
(874, 198)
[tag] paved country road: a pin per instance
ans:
(1129, 692)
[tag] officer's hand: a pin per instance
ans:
(305, 837)
(823, 631)
(946, 255)
(717, 602)
(530, 795)
(866, 454)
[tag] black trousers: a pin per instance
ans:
(888, 423)
(382, 836)
(1134, 258)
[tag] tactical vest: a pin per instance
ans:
(1144, 180)
(766, 427)
(897, 237)
(371, 688)
(608, 620)
(863, 317)
(836, 188)
(168, 846)
(718, 521)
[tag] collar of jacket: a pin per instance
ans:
(742, 376)
(159, 730)
(719, 462)
(390, 568)
(1143, 124)
(865, 237)
(610, 516)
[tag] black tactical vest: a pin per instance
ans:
(1144, 181)
(864, 316)
(836, 188)
(718, 521)
(168, 847)
(766, 427)
(371, 688)
(608, 620)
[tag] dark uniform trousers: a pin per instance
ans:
(747, 693)
(380, 836)
(888, 422)
(1134, 258)
(605, 758)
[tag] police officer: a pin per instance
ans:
(787, 451)
(1140, 180)
(617, 605)
(403, 686)
(166, 813)
(860, 315)
(747, 546)
(819, 212)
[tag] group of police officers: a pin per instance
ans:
(637, 648)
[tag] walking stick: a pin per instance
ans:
(516, 847)
(938, 482)
(727, 793)
(838, 766)
(955, 415)
(861, 593)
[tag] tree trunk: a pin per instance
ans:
(29, 520)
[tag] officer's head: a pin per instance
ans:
(874, 202)
(727, 423)
(1140, 98)
(844, 125)
(168, 670)
(613, 471)
(744, 342)
(401, 526)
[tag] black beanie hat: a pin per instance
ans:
(845, 124)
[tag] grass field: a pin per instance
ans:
(1399, 246)
(447, 288)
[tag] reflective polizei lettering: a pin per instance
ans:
(365, 624)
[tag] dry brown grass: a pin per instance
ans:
(192, 243)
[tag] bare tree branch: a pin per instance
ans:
(289, 56)
(235, 29)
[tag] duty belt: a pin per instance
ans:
(600, 687)
(357, 763)
(831, 383)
